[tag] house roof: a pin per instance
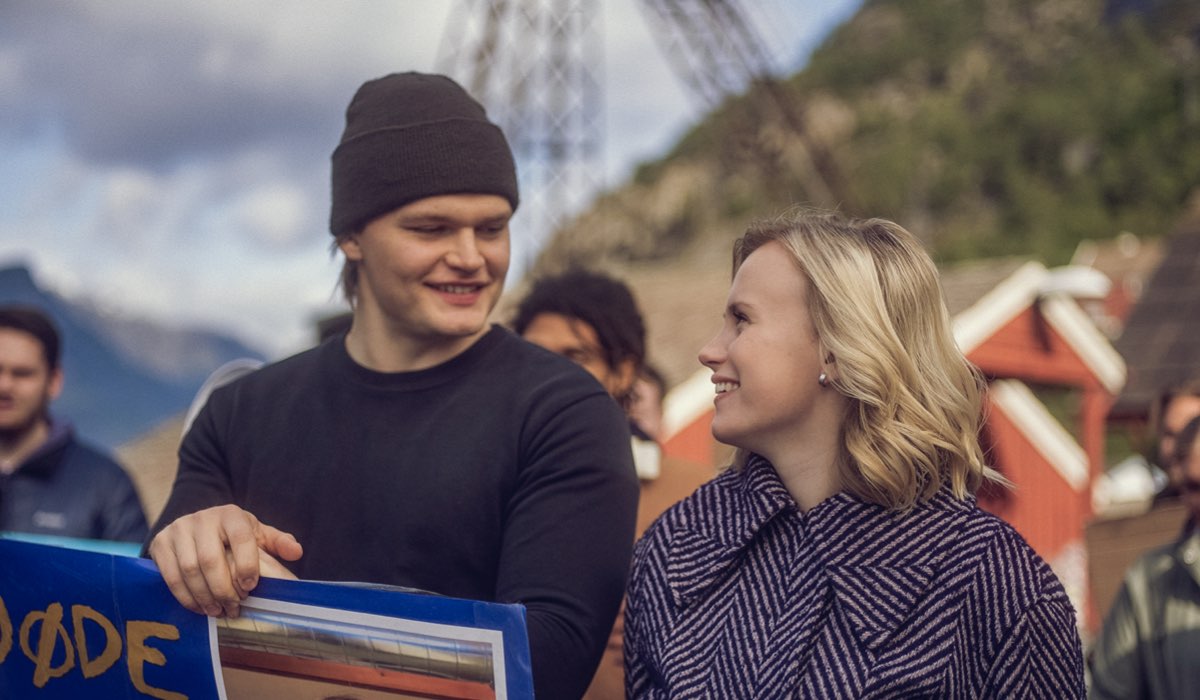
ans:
(1031, 284)
(965, 283)
(1161, 338)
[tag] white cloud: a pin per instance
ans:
(131, 200)
(276, 212)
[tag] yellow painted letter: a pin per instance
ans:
(136, 634)
(5, 632)
(112, 641)
(52, 630)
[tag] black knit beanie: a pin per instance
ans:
(415, 135)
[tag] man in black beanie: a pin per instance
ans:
(423, 447)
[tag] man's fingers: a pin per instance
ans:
(242, 534)
(180, 565)
(210, 559)
(278, 543)
(168, 566)
(209, 577)
(270, 567)
(200, 554)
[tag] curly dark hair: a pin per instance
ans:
(604, 303)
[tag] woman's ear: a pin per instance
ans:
(829, 365)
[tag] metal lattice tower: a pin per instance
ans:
(534, 64)
(714, 48)
(710, 44)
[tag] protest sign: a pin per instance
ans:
(90, 624)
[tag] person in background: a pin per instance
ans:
(646, 409)
(1175, 406)
(424, 447)
(678, 477)
(52, 483)
(1149, 646)
(591, 319)
(843, 554)
(594, 320)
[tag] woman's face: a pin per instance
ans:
(767, 358)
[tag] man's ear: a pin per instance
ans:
(54, 387)
(622, 378)
(350, 248)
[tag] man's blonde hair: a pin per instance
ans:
(916, 404)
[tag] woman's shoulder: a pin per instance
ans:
(999, 558)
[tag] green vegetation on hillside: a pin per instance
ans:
(990, 127)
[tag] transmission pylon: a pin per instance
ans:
(536, 66)
(715, 49)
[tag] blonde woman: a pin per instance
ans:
(843, 554)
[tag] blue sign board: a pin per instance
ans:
(89, 624)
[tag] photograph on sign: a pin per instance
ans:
(291, 651)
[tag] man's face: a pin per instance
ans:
(432, 270)
(1177, 413)
(577, 341)
(27, 386)
(1186, 475)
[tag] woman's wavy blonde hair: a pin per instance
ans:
(915, 410)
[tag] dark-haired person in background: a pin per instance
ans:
(423, 447)
(591, 319)
(594, 320)
(1175, 406)
(51, 483)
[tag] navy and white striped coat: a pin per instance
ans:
(735, 593)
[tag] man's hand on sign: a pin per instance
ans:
(212, 559)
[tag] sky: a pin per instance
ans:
(169, 159)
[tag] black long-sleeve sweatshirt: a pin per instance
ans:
(503, 474)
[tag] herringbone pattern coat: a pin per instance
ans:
(737, 594)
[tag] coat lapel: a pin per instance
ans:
(705, 550)
(880, 564)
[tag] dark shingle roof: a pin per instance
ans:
(1161, 338)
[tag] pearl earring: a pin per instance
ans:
(823, 380)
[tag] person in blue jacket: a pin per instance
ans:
(51, 482)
